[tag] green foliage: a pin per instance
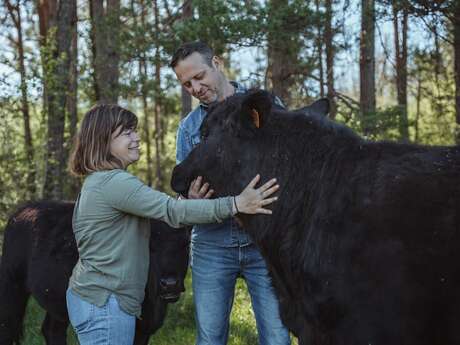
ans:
(170, 118)
(227, 26)
(13, 167)
(383, 124)
(433, 83)
(220, 23)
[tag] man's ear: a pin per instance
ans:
(256, 108)
(217, 63)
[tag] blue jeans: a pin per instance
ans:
(214, 273)
(107, 325)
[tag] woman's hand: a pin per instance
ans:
(252, 201)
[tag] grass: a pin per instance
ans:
(179, 326)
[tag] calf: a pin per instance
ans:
(39, 253)
(363, 244)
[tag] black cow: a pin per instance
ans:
(39, 253)
(364, 242)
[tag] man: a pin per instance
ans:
(220, 253)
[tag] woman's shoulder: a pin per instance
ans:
(108, 177)
(116, 178)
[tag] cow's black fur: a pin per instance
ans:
(39, 252)
(364, 242)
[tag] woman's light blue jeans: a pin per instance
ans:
(214, 274)
(107, 325)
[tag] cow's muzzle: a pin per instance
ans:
(170, 289)
(179, 181)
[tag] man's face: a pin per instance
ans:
(202, 81)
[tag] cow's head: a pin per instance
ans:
(169, 254)
(241, 137)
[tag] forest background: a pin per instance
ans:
(391, 70)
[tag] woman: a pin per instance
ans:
(111, 226)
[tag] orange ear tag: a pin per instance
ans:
(255, 118)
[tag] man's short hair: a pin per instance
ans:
(188, 49)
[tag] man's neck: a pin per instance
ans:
(228, 91)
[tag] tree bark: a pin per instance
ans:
(105, 24)
(73, 77)
(319, 47)
(456, 28)
(400, 40)
(367, 65)
(330, 53)
(143, 68)
(159, 135)
(282, 52)
(186, 98)
(14, 12)
(55, 18)
(145, 107)
(71, 102)
(418, 110)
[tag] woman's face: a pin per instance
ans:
(125, 146)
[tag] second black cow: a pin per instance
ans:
(364, 242)
(39, 253)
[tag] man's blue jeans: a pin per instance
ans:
(100, 325)
(214, 273)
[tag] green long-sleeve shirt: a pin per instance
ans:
(111, 227)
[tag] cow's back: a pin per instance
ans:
(388, 257)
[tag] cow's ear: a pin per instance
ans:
(320, 107)
(256, 107)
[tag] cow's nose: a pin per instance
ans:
(178, 181)
(167, 283)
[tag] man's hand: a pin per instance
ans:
(198, 191)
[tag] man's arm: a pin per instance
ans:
(182, 144)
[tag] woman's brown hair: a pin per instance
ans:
(91, 151)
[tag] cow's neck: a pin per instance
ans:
(304, 160)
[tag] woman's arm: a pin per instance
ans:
(127, 193)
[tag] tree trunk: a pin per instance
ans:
(56, 27)
(73, 77)
(14, 12)
(456, 28)
(72, 110)
(157, 99)
(186, 98)
(105, 24)
(145, 107)
(418, 110)
(319, 47)
(329, 38)
(400, 40)
(282, 51)
(367, 65)
(143, 68)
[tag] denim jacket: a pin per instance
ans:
(228, 233)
